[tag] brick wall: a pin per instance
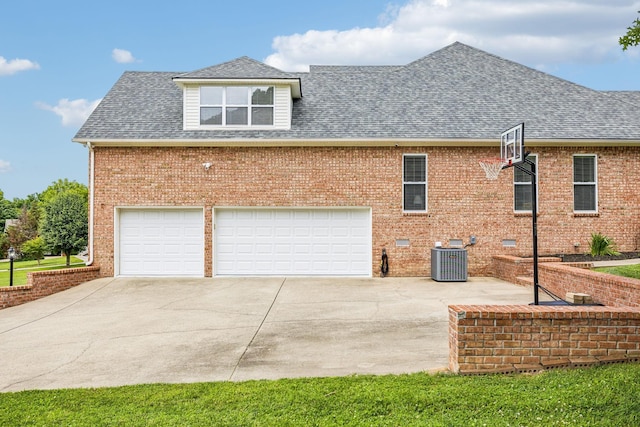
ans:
(511, 268)
(461, 201)
(522, 338)
(560, 278)
(607, 289)
(43, 283)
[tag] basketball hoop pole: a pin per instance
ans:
(534, 222)
(512, 153)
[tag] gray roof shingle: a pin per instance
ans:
(632, 97)
(243, 67)
(455, 92)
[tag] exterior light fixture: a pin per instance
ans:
(12, 256)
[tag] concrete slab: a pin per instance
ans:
(111, 332)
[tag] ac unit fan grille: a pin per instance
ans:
(449, 265)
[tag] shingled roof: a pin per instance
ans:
(458, 92)
(243, 68)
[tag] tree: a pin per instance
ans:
(34, 249)
(27, 226)
(632, 38)
(63, 186)
(4, 245)
(7, 211)
(65, 225)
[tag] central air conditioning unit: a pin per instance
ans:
(449, 265)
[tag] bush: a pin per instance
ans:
(602, 245)
(33, 249)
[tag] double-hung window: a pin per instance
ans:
(585, 183)
(522, 186)
(414, 182)
(236, 105)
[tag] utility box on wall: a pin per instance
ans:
(449, 265)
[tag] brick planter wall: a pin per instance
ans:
(523, 338)
(43, 283)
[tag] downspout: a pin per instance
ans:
(91, 183)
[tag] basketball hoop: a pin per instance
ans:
(492, 166)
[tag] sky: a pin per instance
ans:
(58, 59)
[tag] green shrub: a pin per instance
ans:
(33, 249)
(602, 245)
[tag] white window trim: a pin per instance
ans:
(249, 106)
(426, 187)
(594, 183)
(526, 183)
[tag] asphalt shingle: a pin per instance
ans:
(456, 92)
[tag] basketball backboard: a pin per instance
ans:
(512, 145)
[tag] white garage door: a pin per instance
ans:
(294, 242)
(161, 242)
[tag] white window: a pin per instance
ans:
(236, 105)
(414, 182)
(585, 183)
(522, 186)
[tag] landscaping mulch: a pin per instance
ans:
(589, 258)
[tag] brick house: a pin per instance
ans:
(243, 169)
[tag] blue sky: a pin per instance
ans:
(58, 59)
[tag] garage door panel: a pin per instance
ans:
(195, 232)
(161, 242)
(262, 231)
(284, 232)
(285, 241)
(193, 251)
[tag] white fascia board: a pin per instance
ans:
(348, 142)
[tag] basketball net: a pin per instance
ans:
(492, 166)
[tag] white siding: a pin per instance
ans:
(191, 107)
(282, 107)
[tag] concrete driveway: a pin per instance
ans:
(111, 332)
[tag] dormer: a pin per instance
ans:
(242, 94)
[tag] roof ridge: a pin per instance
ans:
(241, 67)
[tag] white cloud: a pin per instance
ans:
(122, 56)
(73, 113)
(535, 32)
(15, 65)
(4, 166)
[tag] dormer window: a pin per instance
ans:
(236, 105)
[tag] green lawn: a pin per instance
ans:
(632, 271)
(600, 396)
(21, 268)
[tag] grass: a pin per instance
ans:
(632, 271)
(21, 268)
(601, 396)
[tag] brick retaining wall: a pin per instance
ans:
(560, 278)
(510, 268)
(517, 338)
(43, 283)
(607, 289)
